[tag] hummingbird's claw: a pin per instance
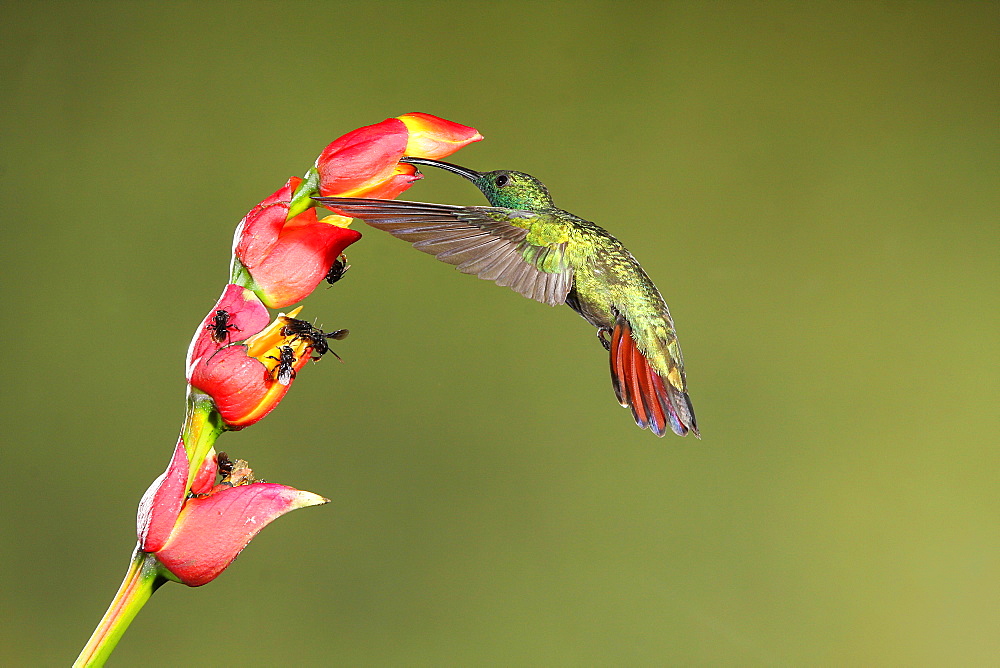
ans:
(602, 336)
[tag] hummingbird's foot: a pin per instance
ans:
(603, 336)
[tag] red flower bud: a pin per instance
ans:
(197, 537)
(212, 530)
(365, 162)
(288, 258)
(364, 159)
(247, 380)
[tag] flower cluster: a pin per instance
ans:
(281, 244)
(241, 363)
(204, 509)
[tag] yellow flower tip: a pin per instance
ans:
(267, 341)
(339, 221)
(433, 137)
(306, 499)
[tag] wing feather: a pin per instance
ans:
(483, 258)
(499, 269)
(489, 242)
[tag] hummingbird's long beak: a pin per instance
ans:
(464, 171)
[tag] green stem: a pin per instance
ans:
(142, 579)
(240, 275)
(302, 197)
(202, 426)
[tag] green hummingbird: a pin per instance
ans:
(525, 242)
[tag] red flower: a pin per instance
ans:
(365, 162)
(282, 245)
(196, 537)
(247, 380)
(288, 258)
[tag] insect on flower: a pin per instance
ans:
(225, 465)
(337, 269)
(235, 472)
(284, 371)
(317, 338)
(221, 326)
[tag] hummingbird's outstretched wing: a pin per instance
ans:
(489, 242)
(655, 401)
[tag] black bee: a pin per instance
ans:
(316, 337)
(225, 469)
(284, 371)
(338, 269)
(220, 326)
(225, 465)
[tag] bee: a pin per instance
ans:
(284, 371)
(221, 326)
(337, 269)
(225, 469)
(225, 465)
(316, 337)
(234, 472)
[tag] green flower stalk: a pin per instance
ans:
(141, 580)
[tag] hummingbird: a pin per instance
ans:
(550, 255)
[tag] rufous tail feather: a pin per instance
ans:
(654, 402)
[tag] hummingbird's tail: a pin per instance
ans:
(654, 401)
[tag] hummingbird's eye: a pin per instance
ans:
(502, 180)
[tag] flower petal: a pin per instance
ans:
(435, 138)
(204, 479)
(405, 176)
(259, 229)
(242, 316)
(212, 530)
(161, 504)
(363, 157)
(300, 259)
(239, 385)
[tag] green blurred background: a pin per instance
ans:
(813, 186)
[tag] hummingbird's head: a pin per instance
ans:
(514, 190)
